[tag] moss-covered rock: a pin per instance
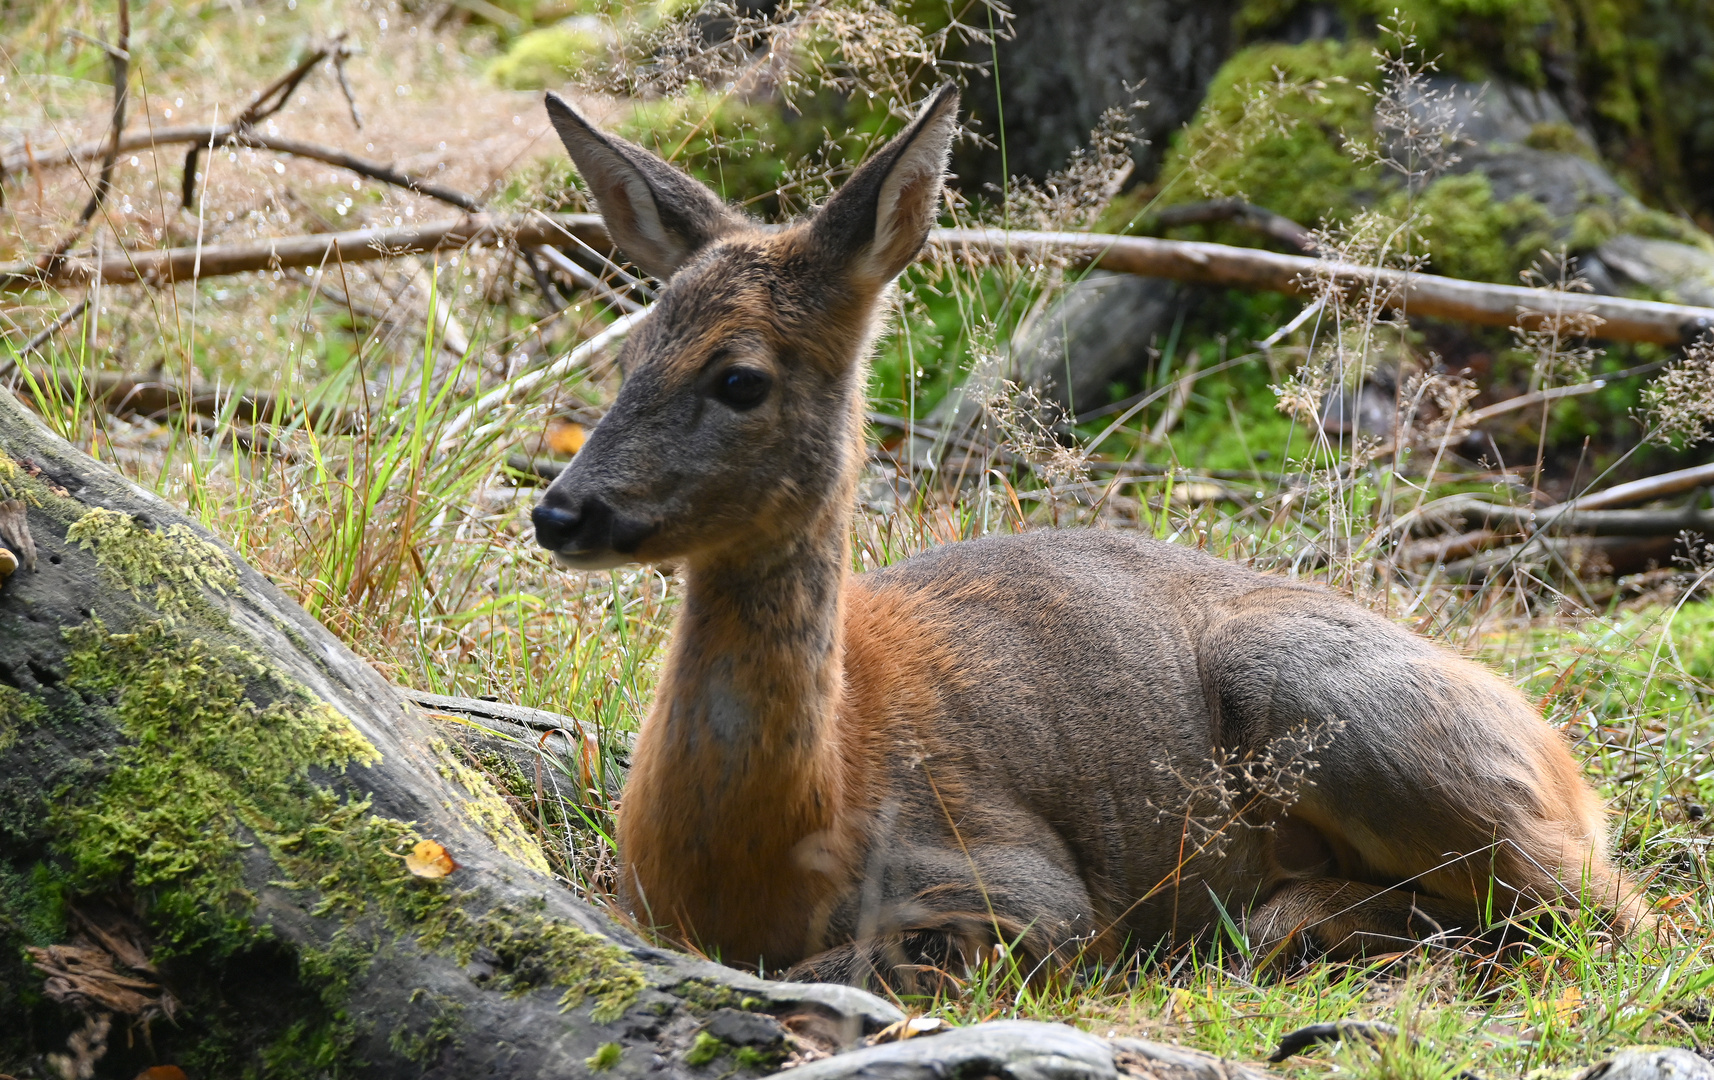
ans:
(1636, 72)
(1293, 129)
(551, 56)
(1273, 130)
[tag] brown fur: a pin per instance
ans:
(1012, 740)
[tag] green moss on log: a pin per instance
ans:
(216, 743)
(176, 564)
(17, 712)
(704, 1050)
(177, 750)
(487, 807)
(605, 1057)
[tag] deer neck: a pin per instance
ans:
(733, 824)
(754, 676)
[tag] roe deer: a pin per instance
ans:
(875, 776)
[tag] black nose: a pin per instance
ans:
(555, 525)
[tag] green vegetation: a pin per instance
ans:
(547, 58)
(1636, 62)
(1273, 129)
(605, 1057)
(207, 755)
(704, 1050)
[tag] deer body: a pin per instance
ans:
(1007, 739)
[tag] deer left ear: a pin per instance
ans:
(655, 214)
(878, 222)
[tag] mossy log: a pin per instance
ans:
(206, 804)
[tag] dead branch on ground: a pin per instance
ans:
(1214, 264)
(1478, 302)
(1242, 214)
(359, 245)
(120, 55)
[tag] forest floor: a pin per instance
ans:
(408, 534)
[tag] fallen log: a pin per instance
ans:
(1614, 556)
(1571, 518)
(1479, 302)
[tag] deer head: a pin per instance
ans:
(739, 423)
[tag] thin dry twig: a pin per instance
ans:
(120, 54)
(268, 101)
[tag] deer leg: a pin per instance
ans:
(1346, 919)
(930, 955)
(930, 920)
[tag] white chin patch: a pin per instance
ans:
(594, 560)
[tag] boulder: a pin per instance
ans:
(1679, 273)
(1651, 1063)
(1100, 332)
(1525, 143)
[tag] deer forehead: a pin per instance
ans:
(742, 295)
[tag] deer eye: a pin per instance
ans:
(742, 388)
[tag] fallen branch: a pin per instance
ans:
(156, 399)
(268, 101)
(1418, 294)
(1573, 518)
(360, 245)
(1215, 264)
(241, 136)
(1373, 1032)
(120, 54)
(1244, 215)
(483, 709)
(1649, 487)
(516, 387)
(1615, 555)
(1524, 401)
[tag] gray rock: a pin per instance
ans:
(1563, 183)
(741, 1028)
(1681, 273)
(1010, 1050)
(1496, 121)
(1501, 116)
(1651, 1063)
(1099, 332)
(1025, 1050)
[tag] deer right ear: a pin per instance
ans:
(656, 215)
(878, 222)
